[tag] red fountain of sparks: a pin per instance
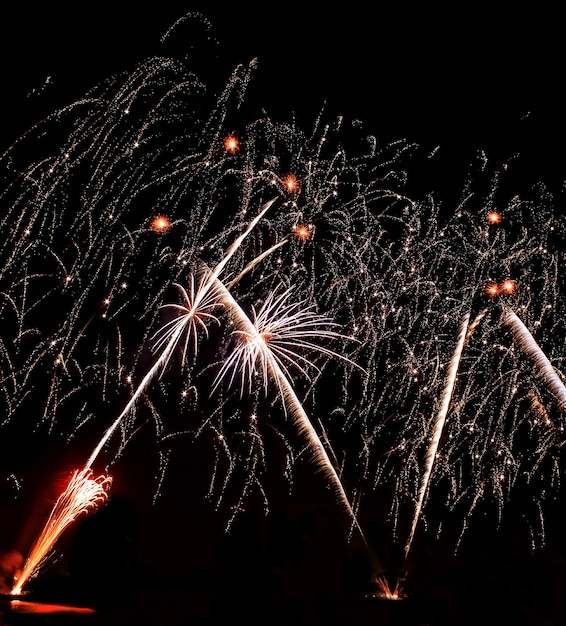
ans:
(83, 493)
(387, 591)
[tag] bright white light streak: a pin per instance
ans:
(439, 425)
(532, 350)
(255, 261)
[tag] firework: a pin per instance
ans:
(388, 591)
(80, 247)
(83, 493)
(493, 445)
(129, 195)
(439, 425)
(279, 328)
(195, 314)
(540, 361)
(263, 345)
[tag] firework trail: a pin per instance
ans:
(439, 425)
(250, 266)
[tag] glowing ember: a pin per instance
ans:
(505, 288)
(231, 144)
(386, 591)
(83, 493)
(508, 286)
(291, 183)
(491, 290)
(303, 232)
(493, 217)
(160, 224)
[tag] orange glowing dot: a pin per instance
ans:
(303, 232)
(291, 183)
(493, 217)
(508, 286)
(160, 224)
(231, 144)
(492, 290)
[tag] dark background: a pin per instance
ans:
(464, 80)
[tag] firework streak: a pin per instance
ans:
(532, 350)
(439, 424)
(256, 351)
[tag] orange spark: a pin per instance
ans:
(303, 232)
(231, 144)
(505, 288)
(493, 217)
(291, 183)
(160, 223)
(491, 290)
(508, 286)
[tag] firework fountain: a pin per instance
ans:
(264, 346)
(133, 191)
(83, 493)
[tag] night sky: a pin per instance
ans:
(456, 83)
(461, 79)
